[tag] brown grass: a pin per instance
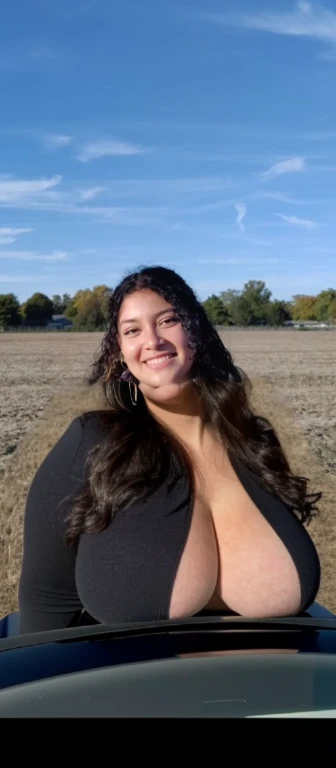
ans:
(41, 391)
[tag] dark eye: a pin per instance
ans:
(170, 319)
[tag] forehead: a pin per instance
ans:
(142, 303)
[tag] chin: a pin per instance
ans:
(164, 392)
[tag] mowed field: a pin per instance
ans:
(42, 389)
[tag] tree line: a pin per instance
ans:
(88, 308)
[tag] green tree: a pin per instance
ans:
(10, 314)
(71, 310)
(241, 312)
(278, 312)
(58, 306)
(217, 313)
(332, 312)
(249, 306)
(256, 300)
(60, 303)
(229, 299)
(37, 310)
(323, 302)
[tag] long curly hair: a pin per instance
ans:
(137, 454)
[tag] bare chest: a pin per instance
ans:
(233, 557)
(213, 475)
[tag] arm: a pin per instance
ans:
(48, 596)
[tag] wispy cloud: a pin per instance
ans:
(107, 148)
(306, 19)
(8, 235)
(171, 196)
(14, 190)
(12, 231)
(280, 197)
(306, 223)
(33, 256)
(241, 210)
(55, 141)
(91, 194)
(292, 165)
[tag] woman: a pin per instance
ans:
(176, 499)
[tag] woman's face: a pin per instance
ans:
(154, 345)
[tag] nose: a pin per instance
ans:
(152, 338)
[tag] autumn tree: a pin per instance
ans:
(103, 293)
(88, 309)
(304, 307)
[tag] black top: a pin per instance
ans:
(127, 572)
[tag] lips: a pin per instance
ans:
(152, 362)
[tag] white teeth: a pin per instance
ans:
(158, 360)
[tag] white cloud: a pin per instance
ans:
(107, 148)
(241, 210)
(304, 20)
(294, 164)
(14, 190)
(306, 223)
(55, 141)
(280, 197)
(8, 235)
(90, 194)
(11, 231)
(33, 256)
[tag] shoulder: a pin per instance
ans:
(94, 424)
(70, 451)
(83, 434)
(88, 424)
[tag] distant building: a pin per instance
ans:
(59, 323)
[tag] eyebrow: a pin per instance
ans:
(136, 319)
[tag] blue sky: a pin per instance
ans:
(198, 135)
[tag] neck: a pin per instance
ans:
(184, 416)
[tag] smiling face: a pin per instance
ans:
(154, 345)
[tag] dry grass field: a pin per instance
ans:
(42, 389)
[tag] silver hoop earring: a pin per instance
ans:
(134, 402)
(123, 363)
(121, 405)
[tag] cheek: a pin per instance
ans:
(182, 341)
(132, 351)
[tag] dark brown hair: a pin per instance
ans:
(138, 454)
